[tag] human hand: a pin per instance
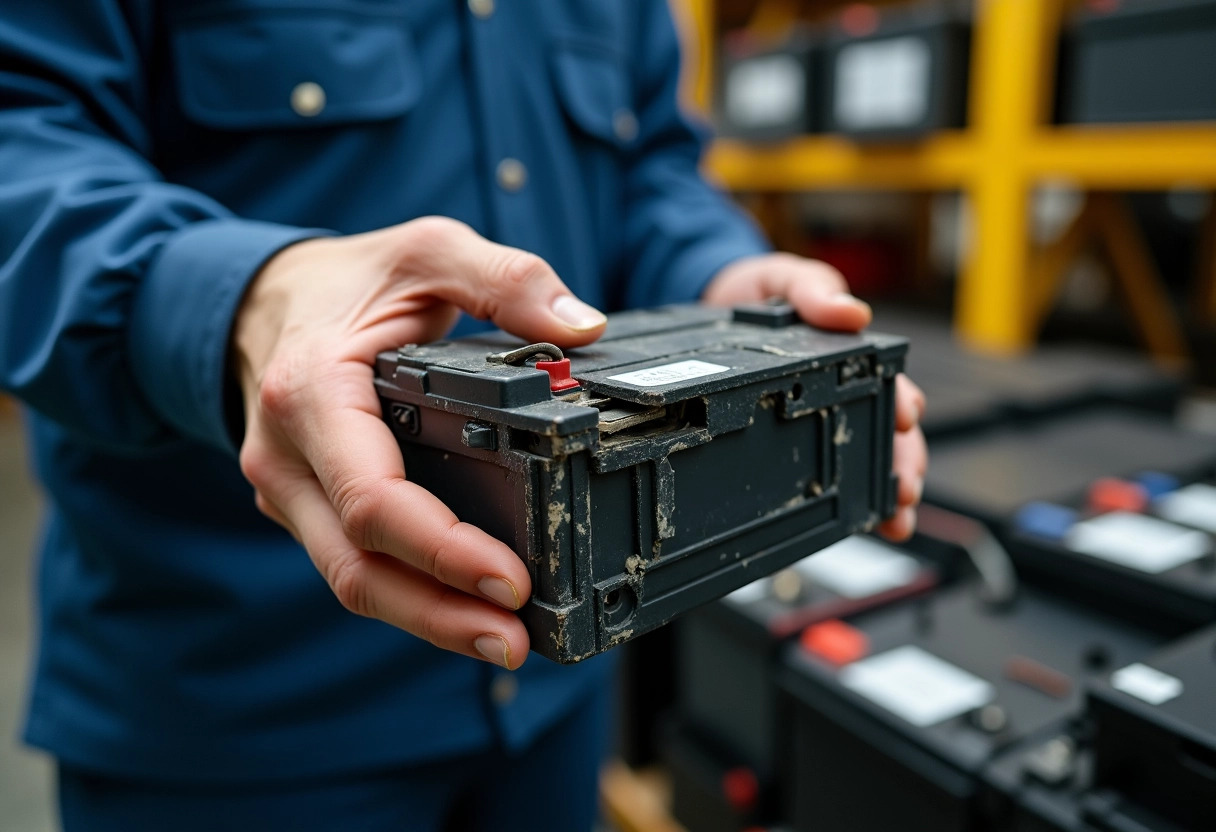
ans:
(820, 295)
(324, 464)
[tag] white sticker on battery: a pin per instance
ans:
(764, 91)
(1194, 505)
(669, 373)
(1147, 683)
(858, 567)
(883, 84)
(1137, 542)
(916, 685)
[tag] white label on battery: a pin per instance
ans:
(1194, 505)
(1137, 542)
(916, 685)
(1147, 683)
(669, 373)
(882, 84)
(766, 91)
(858, 567)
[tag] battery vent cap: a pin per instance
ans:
(1110, 494)
(835, 641)
(1046, 520)
(1156, 484)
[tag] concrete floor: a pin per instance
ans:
(25, 777)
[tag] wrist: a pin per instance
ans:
(263, 309)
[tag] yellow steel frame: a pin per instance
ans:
(1009, 149)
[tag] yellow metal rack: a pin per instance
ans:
(1009, 148)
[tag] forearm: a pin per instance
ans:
(680, 229)
(117, 288)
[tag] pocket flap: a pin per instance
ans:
(242, 69)
(593, 85)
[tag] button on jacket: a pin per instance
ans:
(153, 155)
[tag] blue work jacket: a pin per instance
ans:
(153, 154)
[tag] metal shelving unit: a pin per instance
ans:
(1009, 148)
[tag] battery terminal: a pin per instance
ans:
(555, 364)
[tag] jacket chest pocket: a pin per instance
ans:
(246, 68)
(595, 91)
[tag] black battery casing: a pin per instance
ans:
(727, 655)
(1155, 761)
(992, 474)
(1139, 61)
(940, 33)
(660, 484)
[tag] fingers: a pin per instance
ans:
(900, 526)
(519, 291)
(815, 289)
(911, 461)
(911, 458)
(376, 585)
(909, 403)
(343, 439)
(820, 304)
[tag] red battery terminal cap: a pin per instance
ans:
(859, 19)
(559, 374)
(835, 641)
(740, 788)
(1110, 494)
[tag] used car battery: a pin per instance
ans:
(898, 735)
(1139, 61)
(686, 453)
(1158, 761)
(1071, 497)
(897, 74)
(1155, 740)
(727, 652)
(770, 92)
(1139, 547)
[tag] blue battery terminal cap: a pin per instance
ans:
(1046, 520)
(1156, 484)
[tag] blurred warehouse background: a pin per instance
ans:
(1025, 188)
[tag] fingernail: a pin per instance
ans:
(499, 591)
(851, 300)
(495, 649)
(576, 314)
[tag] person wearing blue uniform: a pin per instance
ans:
(213, 214)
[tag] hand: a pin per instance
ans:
(820, 295)
(324, 464)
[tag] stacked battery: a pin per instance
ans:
(870, 74)
(729, 727)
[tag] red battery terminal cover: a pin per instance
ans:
(1110, 494)
(559, 374)
(740, 788)
(835, 641)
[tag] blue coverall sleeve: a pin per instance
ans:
(680, 230)
(117, 289)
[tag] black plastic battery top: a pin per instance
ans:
(686, 453)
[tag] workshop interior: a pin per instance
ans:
(1025, 193)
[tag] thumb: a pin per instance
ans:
(517, 290)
